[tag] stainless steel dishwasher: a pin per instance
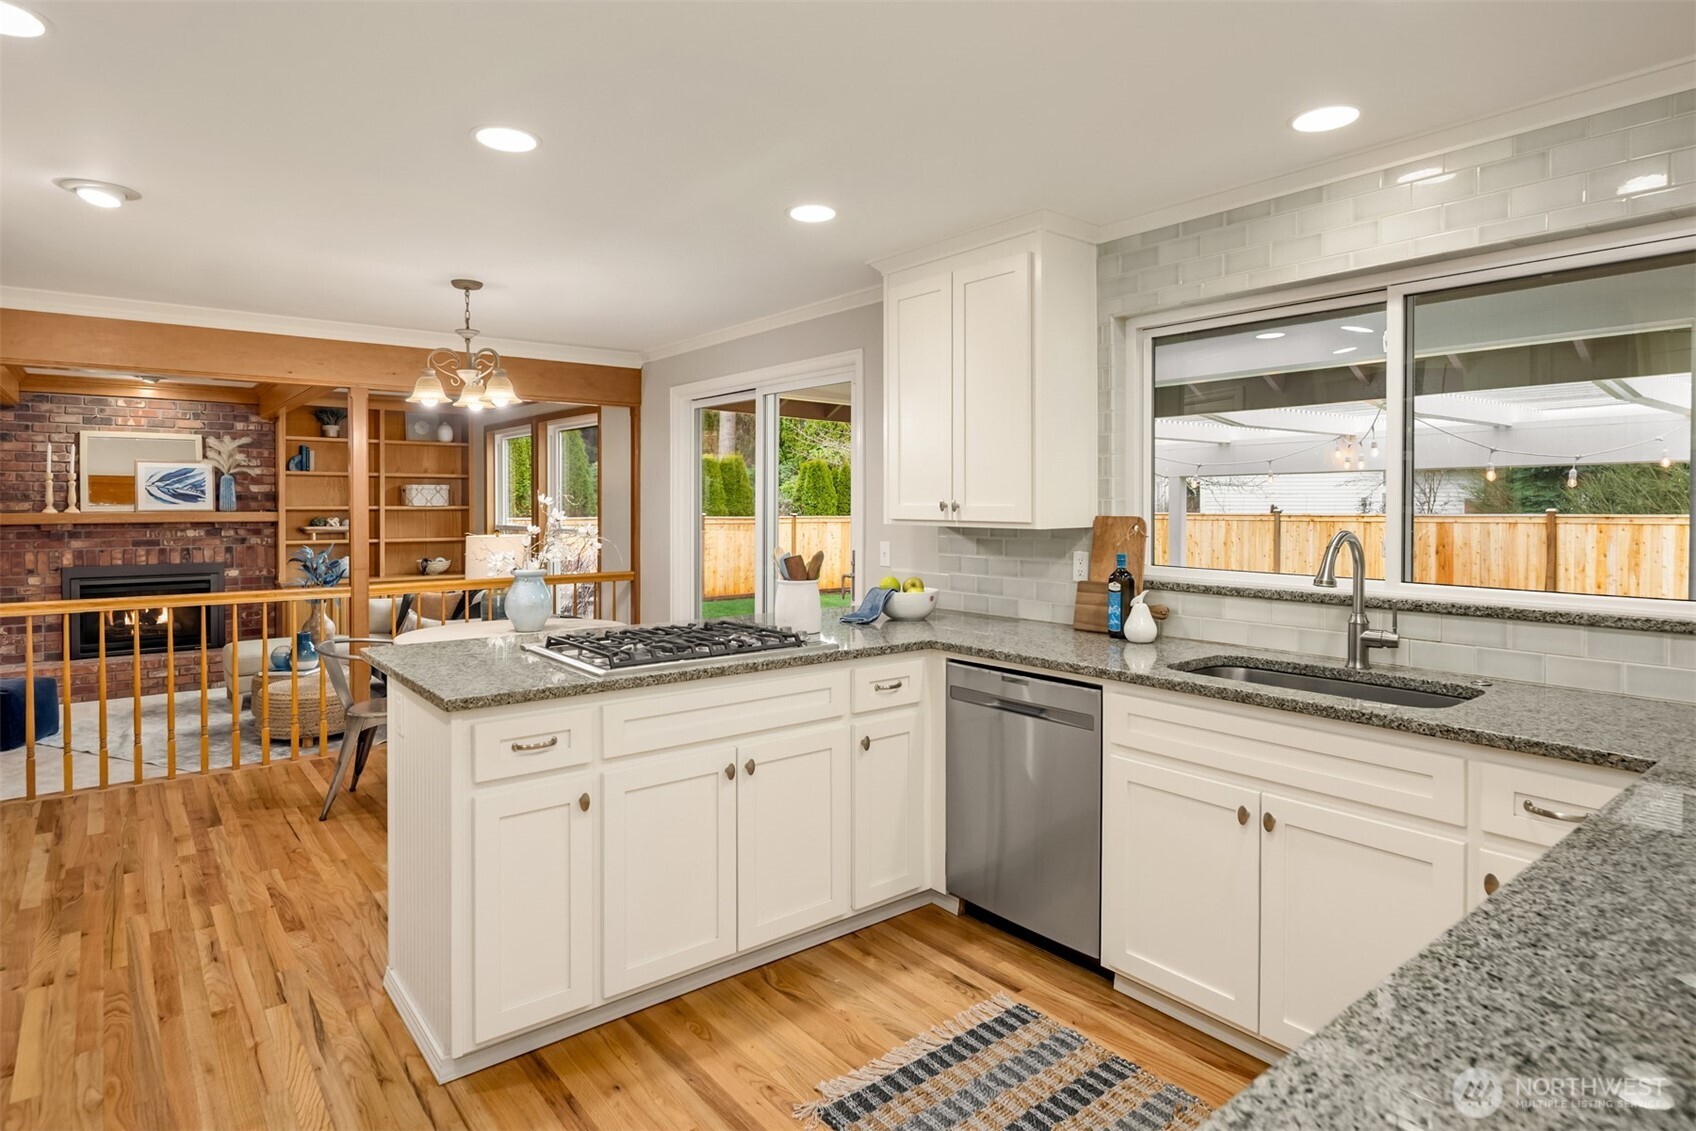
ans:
(1024, 801)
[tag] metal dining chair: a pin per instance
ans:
(363, 717)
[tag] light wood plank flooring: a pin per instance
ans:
(203, 953)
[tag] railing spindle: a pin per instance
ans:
(101, 634)
(171, 691)
(267, 618)
(323, 707)
(29, 706)
(232, 681)
(205, 738)
(294, 681)
(135, 685)
(65, 691)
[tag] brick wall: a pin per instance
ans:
(31, 557)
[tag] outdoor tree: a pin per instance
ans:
(738, 487)
(712, 488)
(579, 478)
(519, 477)
(844, 477)
(815, 489)
(1608, 488)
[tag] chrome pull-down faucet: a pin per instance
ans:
(1361, 636)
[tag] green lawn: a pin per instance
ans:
(744, 606)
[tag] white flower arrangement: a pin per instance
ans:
(559, 547)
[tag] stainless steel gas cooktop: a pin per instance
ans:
(604, 651)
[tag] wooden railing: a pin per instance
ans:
(273, 616)
(1627, 555)
(728, 551)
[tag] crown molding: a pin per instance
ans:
(1041, 220)
(853, 300)
(1638, 87)
(141, 310)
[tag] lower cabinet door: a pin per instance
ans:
(532, 935)
(668, 850)
(888, 757)
(1181, 886)
(792, 838)
(1344, 900)
(1493, 867)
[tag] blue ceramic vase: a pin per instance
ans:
(527, 601)
(226, 492)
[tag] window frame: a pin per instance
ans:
(1133, 339)
(497, 477)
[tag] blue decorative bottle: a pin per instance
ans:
(1120, 584)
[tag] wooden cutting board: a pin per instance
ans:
(1111, 536)
(1089, 609)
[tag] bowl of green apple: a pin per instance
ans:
(909, 599)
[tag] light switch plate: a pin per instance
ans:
(883, 553)
(1080, 565)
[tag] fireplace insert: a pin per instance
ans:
(153, 625)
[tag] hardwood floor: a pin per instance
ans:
(204, 953)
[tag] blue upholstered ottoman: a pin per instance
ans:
(12, 710)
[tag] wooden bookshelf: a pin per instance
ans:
(400, 534)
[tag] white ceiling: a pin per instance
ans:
(313, 160)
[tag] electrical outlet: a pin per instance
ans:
(1080, 565)
(883, 553)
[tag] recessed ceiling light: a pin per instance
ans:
(506, 139)
(1345, 349)
(1431, 176)
(1648, 182)
(15, 21)
(101, 194)
(812, 213)
(1269, 335)
(1358, 329)
(1324, 118)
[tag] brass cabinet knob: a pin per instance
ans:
(942, 506)
(749, 766)
(583, 803)
(1242, 814)
(1268, 822)
(1491, 883)
(730, 771)
(865, 742)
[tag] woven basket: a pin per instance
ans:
(279, 712)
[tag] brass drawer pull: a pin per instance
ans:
(730, 771)
(891, 685)
(532, 747)
(1491, 883)
(1242, 814)
(749, 766)
(865, 742)
(1553, 814)
(1268, 822)
(583, 803)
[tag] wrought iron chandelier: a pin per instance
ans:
(478, 374)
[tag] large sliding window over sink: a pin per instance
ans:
(1551, 431)
(1486, 430)
(1268, 439)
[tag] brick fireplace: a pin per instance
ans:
(34, 557)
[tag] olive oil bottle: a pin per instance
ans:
(1121, 587)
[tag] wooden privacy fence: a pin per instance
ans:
(125, 675)
(1627, 555)
(729, 547)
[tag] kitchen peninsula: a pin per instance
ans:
(566, 849)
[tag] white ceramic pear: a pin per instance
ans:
(1139, 622)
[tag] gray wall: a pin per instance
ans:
(911, 550)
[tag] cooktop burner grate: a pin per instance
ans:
(601, 651)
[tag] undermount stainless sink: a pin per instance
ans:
(1339, 684)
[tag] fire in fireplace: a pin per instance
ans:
(153, 625)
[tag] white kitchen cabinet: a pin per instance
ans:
(792, 841)
(668, 835)
(1181, 866)
(1492, 867)
(889, 834)
(990, 384)
(532, 934)
(1344, 900)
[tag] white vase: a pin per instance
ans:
(444, 432)
(527, 601)
(797, 605)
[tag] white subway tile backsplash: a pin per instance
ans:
(1606, 183)
(1513, 231)
(1420, 626)
(1547, 195)
(1324, 217)
(1681, 198)
(1273, 228)
(1678, 684)
(1482, 154)
(1474, 211)
(1296, 201)
(1591, 153)
(1529, 636)
(1371, 205)
(1224, 239)
(1444, 657)
(1525, 170)
(1247, 259)
(1249, 212)
(1176, 251)
(1637, 647)
(1483, 631)
(1201, 224)
(1457, 185)
(1352, 238)
(1526, 667)
(1200, 270)
(1295, 251)
(1592, 675)
(1682, 651)
(1635, 114)
(1550, 136)
(1407, 225)
(1597, 214)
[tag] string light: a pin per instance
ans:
(1572, 473)
(1666, 459)
(1490, 467)
(1271, 475)
(1374, 447)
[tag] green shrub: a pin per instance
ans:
(712, 488)
(738, 487)
(580, 492)
(844, 477)
(815, 489)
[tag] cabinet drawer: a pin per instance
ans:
(1505, 791)
(888, 685)
(532, 742)
(720, 709)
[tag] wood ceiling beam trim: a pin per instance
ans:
(274, 400)
(119, 387)
(73, 341)
(11, 384)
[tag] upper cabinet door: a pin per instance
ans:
(1181, 886)
(532, 932)
(668, 837)
(792, 833)
(993, 470)
(1345, 899)
(919, 403)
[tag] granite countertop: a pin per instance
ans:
(1573, 984)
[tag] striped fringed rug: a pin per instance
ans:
(1000, 1065)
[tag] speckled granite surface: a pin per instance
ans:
(1580, 726)
(1578, 979)
(1309, 596)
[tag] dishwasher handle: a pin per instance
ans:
(1020, 707)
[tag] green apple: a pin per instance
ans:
(914, 585)
(890, 582)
